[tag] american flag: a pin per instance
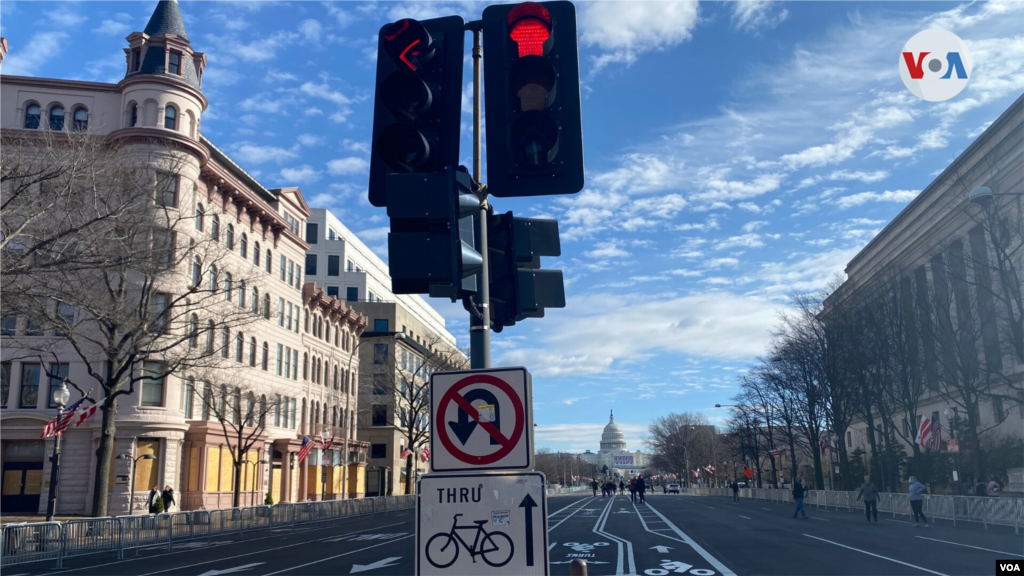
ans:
(307, 447)
(935, 441)
(425, 455)
(775, 453)
(406, 453)
(924, 433)
(60, 423)
(86, 413)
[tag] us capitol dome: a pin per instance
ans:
(613, 452)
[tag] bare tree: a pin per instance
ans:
(674, 442)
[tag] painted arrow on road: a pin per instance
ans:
(587, 561)
(232, 570)
(662, 549)
(529, 505)
(378, 564)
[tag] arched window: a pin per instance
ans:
(57, 118)
(193, 331)
(244, 246)
(239, 346)
(266, 357)
(197, 271)
(225, 342)
(269, 261)
(305, 366)
(263, 410)
(170, 118)
(227, 286)
(266, 306)
(305, 321)
(327, 333)
(241, 293)
(215, 227)
(200, 212)
(335, 376)
(135, 114)
(209, 336)
(236, 406)
(256, 253)
(316, 370)
(213, 279)
(33, 114)
(334, 417)
(255, 304)
(229, 237)
(252, 352)
(80, 119)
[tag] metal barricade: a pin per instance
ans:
(24, 543)
(181, 526)
(301, 513)
(200, 524)
(282, 515)
(143, 531)
(89, 536)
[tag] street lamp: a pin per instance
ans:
(952, 416)
(984, 195)
(252, 494)
(134, 461)
(60, 397)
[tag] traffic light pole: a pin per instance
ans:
(480, 325)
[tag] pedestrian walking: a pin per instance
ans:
(622, 487)
(994, 488)
(869, 492)
(735, 491)
(154, 493)
(593, 486)
(917, 492)
(798, 497)
(641, 487)
(632, 489)
(168, 496)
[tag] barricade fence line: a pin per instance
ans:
(25, 543)
(977, 509)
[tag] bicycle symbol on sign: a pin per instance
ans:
(494, 547)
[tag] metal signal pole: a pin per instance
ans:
(480, 326)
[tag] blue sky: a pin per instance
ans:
(735, 153)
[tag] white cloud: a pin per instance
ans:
(715, 263)
(249, 153)
(304, 174)
(607, 249)
(350, 165)
(863, 176)
(311, 30)
(622, 31)
(113, 28)
(900, 196)
(750, 15)
(310, 139)
(41, 48)
(374, 235)
(267, 103)
(742, 241)
(754, 225)
(64, 17)
(324, 91)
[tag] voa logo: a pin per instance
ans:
(1004, 567)
(935, 65)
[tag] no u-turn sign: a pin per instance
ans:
(481, 420)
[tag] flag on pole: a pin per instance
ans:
(776, 453)
(425, 455)
(924, 432)
(86, 413)
(60, 423)
(306, 448)
(935, 441)
(406, 453)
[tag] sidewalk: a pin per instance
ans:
(9, 519)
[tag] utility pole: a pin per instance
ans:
(480, 325)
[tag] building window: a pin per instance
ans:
(225, 342)
(209, 336)
(30, 385)
(229, 237)
(352, 294)
(280, 311)
(10, 326)
(380, 415)
(136, 59)
(311, 264)
(244, 246)
(283, 267)
(174, 63)
(57, 118)
(168, 196)
(158, 311)
(135, 114)
(255, 304)
(66, 313)
(378, 385)
(287, 361)
(266, 306)
(280, 358)
(215, 227)
(294, 403)
(197, 271)
(239, 347)
(270, 261)
(380, 353)
(200, 211)
(228, 288)
(312, 231)
(170, 118)
(378, 450)
(256, 253)
(332, 291)
(189, 391)
(152, 384)
(291, 273)
(295, 364)
(997, 409)
(241, 294)
(80, 119)
(193, 331)
(380, 325)
(32, 116)
(214, 280)
(252, 352)
(58, 372)
(370, 297)
(349, 267)
(265, 361)
(288, 321)
(333, 264)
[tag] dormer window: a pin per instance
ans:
(174, 63)
(136, 59)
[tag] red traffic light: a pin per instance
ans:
(529, 26)
(408, 42)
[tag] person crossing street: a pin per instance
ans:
(869, 492)
(917, 492)
(798, 497)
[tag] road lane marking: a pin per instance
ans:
(567, 507)
(747, 517)
(969, 546)
(816, 518)
(768, 509)
(553, 544)
(304, 542)
(877, 555)
(294, 568)
(567, 517)
(722, 569)
(599, 530)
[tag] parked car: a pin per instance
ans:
(672, 489)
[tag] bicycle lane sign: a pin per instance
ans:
(482, 524)
(481, 420)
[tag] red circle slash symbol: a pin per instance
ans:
(506, 443)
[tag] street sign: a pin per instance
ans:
(748, 473)
(952, 446)
(481, 420)
(482, 524)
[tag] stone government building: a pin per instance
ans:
(158, 105)
(614, 453)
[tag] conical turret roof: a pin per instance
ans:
(166, 19)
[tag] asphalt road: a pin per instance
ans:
(671, 534)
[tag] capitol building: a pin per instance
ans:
(613, 452)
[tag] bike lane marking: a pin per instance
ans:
(877, 555)
(560, 510)
(722, 569)
(602, 520)
(294, 568)
(584, 505)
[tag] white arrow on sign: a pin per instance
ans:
(232, 570)
(378, 564)
(662, 549)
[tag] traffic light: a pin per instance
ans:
(532, 86)
(418, 100)
(519, 288)
(430, 247)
